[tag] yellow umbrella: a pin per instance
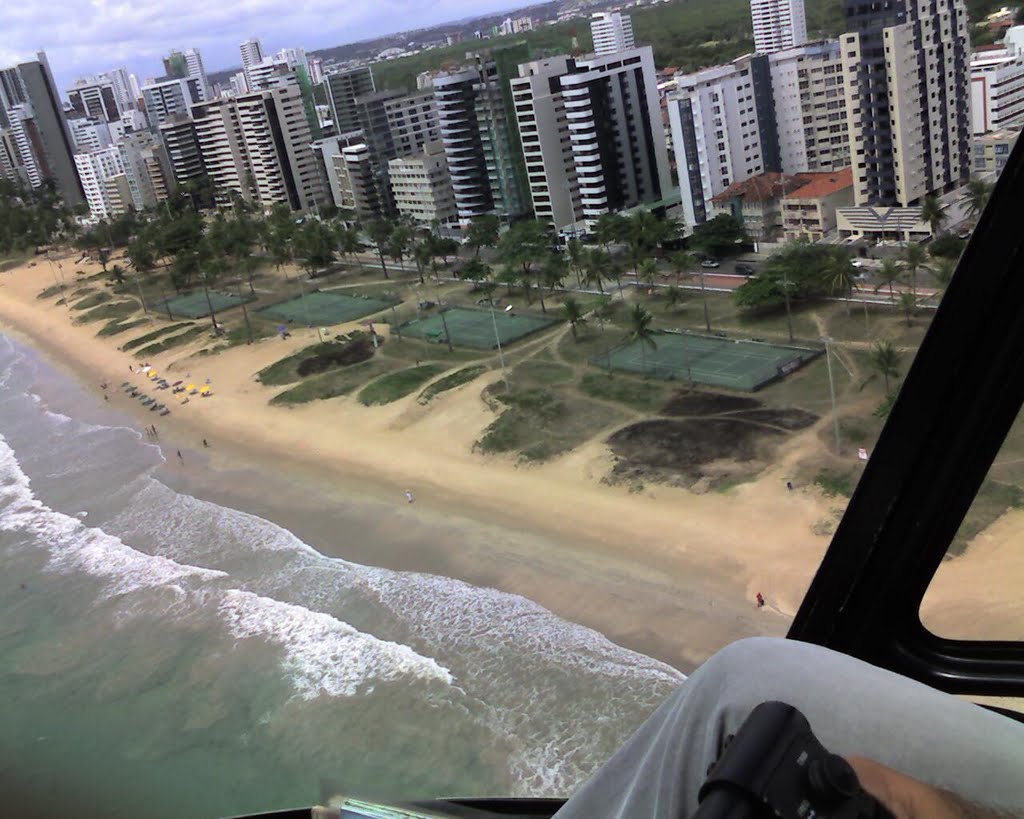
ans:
(152, 375)
(205, 390)
(191, 388)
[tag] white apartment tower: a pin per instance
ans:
(194, 67)
(252, 54)
(258, 146)
(611, 31)
(997, 90)
(422, 188)
(808, 89)
(94, 169)
(722, 131)
(778, 24)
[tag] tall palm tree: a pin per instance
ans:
(942, 271)
(908, 304)
(704, 297)
(886, 359)
(915, 257)
(380, 232)
(673, 296)
(640, 330)
(574, 315)
(681, 263)
(576, 254)
(889, 274)
(595, 263)
(841, 276)
(978, 192)
(647, 271)
(933, 212)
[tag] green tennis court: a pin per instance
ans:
(476, 328)
(320, 309)
(736, 364)
(194, 305)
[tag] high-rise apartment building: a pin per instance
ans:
(342, 89)
(252, 54)
(723, 131)
(258, 147)
(611, 31)
(146, 168)
(168, 96)
(95, 98)
(178, 134)
(422, 187)
(88, 134)
(121, 81)
(591, 135)
(95, 168)
(41, 129)
(412, 120)
(809, 101)
(778, 24)
(907, 93)
(997, 90)
(478, 129)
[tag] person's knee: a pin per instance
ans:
(740, 657)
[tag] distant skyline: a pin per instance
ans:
(88, 36)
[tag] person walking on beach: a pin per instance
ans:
(409, 496)
(205, 445)
(760, 600)
(180, 458)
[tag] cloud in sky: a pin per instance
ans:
(86, 36)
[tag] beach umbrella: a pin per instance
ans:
(152, 375)
(190, 387)
(206, 390)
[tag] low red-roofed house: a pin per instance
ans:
(757, 202)
(809, 212)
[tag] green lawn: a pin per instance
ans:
(450, 382)
(170, 343)
(635, 393)
(398, 384)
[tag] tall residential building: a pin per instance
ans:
(258, 147)
(45, 139)
(723, 131)
(422, 187)
(239, 85)
(412, 120)
(95, 98)
(611, 31)
(778, 24)
(121, 81)
(194, 69)
(252, 54)
(990, 151)
(95, 168)
(146, 168)
(342, 89)
(997, 90)
(478, 129)
(810, 108)
(88, 134)
(591, 135)
(907, 94)
(167, 96)
(178, 134)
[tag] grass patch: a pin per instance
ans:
(534, 373)
(646, 396)
(112, 328)
(148, 337)
(110, 310)
(318, 358)
(993, 499)
(398, 384)
(170, 343)
(92, 300)
(49, 292)
(542, 423)
(836, 483)
(450, 382)
(331, 384)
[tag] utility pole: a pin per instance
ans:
(832, 390)
(501, 355)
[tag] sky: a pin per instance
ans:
(83, 37)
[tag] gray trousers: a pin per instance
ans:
(853, 708)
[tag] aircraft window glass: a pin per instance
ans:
(976, 592)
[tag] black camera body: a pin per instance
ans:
(774, 766)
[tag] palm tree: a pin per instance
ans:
(942, 271)
(908, 304)
(380, 232)
(640, 330)
(933, 212)
(841, 276)
(978, 192)
(914, 257)
(648, 271)
(681, 262)
(889, 273)
(886, 359)
(576, 254)
(673, 296)
(595, 262)
(704, 296)
(573, 315)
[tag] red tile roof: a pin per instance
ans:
(823, 184)
(762, 188)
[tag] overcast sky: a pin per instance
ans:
(86, 36)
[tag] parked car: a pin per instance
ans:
(744, 269)
(710, 263)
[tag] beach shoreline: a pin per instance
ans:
(665, 572)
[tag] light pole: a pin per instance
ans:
(832, 389)
(497, 339)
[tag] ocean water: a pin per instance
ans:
(165, 654)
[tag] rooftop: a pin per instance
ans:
(823, 184)
(763, 187)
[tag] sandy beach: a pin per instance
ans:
(665, 571)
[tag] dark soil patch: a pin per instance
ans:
(355, 351)
(691, 402)
(676, 452)
(790, 418)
